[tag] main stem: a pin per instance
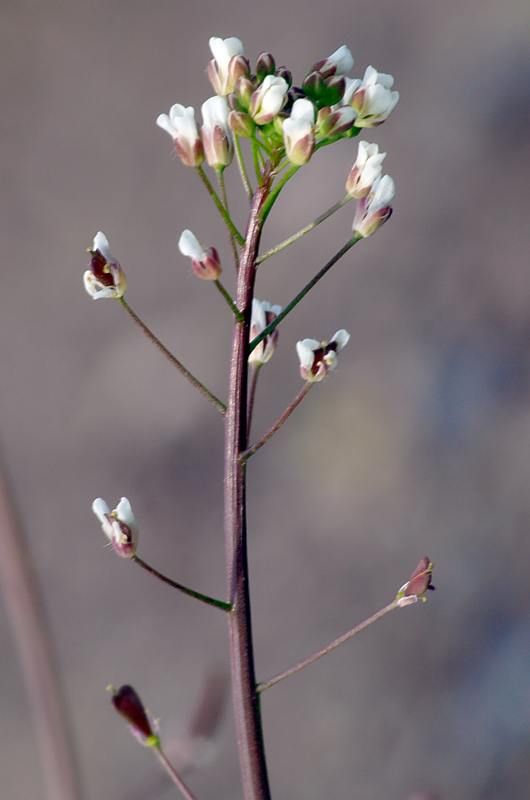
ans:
(244, 695)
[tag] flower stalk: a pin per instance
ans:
(219, 205)
(278, 424)
(204, 598)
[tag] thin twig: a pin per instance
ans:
(255, 160)
(220, 207)
(222, 186)
(173, 359)
(278, 424)
(173, 774)
(204, 598)
(242, 168)
(294, 302)
(230, 301)
(252, 395)
(298, 235)
(328, 649)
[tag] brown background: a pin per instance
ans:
(418, 444)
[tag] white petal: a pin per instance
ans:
(383, 194)
(305, 350)
(303, 109)
(164, 122)
(257, 322)
(100, 508)
(342, 58)
(124, 512)
(189, 246)
(352, 84)
(224, 49)
(101, 243)
(341, 338)
(176, 111)
(215, 112)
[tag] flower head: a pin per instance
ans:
(298, 136)
(366, 170)
(319, 358)
(119, 526)
(417, 585)
(127, 703)
(373, 210)
(338, 63)
(371, 98)
(268, 99)
(228, 64)
(105, 277)
(181, 126)
(263, 313)
(215, 133)
(205, 264)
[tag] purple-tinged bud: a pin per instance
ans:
(181, 126)
(298, 135)
(127, 703)
(417, 585)
(334, 122)
(119, 526)
(375, 209)
(215, 132)
(335, 87)
(205, 264)
(221, 72)
(265, 65)
(366, 170)
(286, 74)
(241, 124)
(313, 86)
(243, 92)
(338, 63)
(295, 93)
(268, 100)
(318, 358)
(263, 313)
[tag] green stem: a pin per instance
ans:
(298, 235)
(278, 424)
(220, 207)
(204, 598)
(300, 296)
(228, 297)
(173, 360)
(255, 159)
(242, 167)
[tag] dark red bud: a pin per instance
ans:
(128, 704)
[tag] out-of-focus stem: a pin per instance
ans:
(173, 774)
(222, 186)
(242, 168)
(278, 424)
(30, 629)
(173, 360)
(204, 598)
(220, 207)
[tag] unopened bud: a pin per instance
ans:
(243, 92)
(313, 86)
(215, 132)
(205, 264)
(286, 74)
(375, 209)
(298, 135)
(268, 99)
(241, 123)
(263, 313)
(417, 585)
(265, 65)
(127, 703)
(334, 122)
(338, 63)
(366, 170)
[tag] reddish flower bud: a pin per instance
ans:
(265, 65)
(418, 584)
(127, 703)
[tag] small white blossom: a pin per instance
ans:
(215, 133)
(373, 210)
(298, 136)
(263, 313)
(205, 264)
(268, 99)
(338, 63)
(221, 71)
(105, 277)
(366, 170)
(371, 98)
(318, 358)
(181, 126)
(119, 526)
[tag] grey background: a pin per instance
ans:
(417, 445)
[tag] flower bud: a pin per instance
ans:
(318, 358)
(181, 126)
(338, 63)
(371, 98)
(227, 64)
(298, 136)
(313, 86)
(119, 526)
(215, 133)
(241, 124)
(366, 170)
(417, 585)
(265, 65)
(205, 264)
(268, 99)
(243, 92)
(373, 210)
(334, 122)
(283, 72)
(263, 313)
(127, 703)
(105, 277)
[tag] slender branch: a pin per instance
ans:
(267, 206)
(222, 186)
(255, 160)
(329, 648)
(220, 207)
(204, 598)
(229, 299)
(173, 774)
(242, 168)
(252, 395)
(298, 235)
(173, 359)
(25, 611)
(278, 424)
(301, 294)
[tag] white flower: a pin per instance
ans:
(268, 99)
(221, 72)
(371, 98)
(181, 126)
(205, 264)
(263, 313)
(105, 277)
(366, 170)
(215, 132)
(338, 63)
(374, 209)
(298, 136)
(119, 526)
(318, 358)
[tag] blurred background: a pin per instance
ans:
(418, 444)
